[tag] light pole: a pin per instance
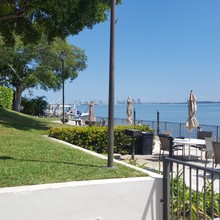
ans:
(62, 57)
(111, 87)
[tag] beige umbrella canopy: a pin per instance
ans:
(192, 108)
(58, 109)
(91, 111)
(51, 108)
(129, 111)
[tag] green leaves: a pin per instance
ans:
(24, 66)
(96, 138)
(58, 18)
(35, 106)
(180, 199)
(6, 97)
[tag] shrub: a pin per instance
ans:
(96, 138)
(6, 97)
(181, 196)
(36, 106)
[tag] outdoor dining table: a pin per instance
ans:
(188, 142)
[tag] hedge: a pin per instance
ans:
(6, 97)
(96, 138)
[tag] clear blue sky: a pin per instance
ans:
(163, 50)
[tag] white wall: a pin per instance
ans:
(114, 199)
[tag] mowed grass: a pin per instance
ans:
(27, 157)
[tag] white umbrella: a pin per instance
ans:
(192, 108)
(129, 111)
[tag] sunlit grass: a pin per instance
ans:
(27, 157)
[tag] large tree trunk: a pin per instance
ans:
(17, 97)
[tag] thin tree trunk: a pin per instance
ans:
(17, 98)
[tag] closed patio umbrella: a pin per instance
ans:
(192, 108)
(129, 111)
(58, 109)
(51, 108)
(91, 111)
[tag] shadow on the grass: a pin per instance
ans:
(20, 121)
(50, 161)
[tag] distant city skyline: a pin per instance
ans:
(164, 49)
(122, 102)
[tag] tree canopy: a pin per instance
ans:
(26, 66)
(54, 18)
(26, 26)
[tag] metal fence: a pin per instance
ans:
(190, 191)
(177, 129)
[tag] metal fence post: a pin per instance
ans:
(166, 189)
(134, 116)
(158, 122)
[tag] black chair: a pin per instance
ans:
(166, 144)
(208, 149)
(202, 135)
(216, 156)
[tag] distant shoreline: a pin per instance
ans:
(146, 103)
(198, 102)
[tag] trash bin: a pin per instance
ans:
(146, 143)
(134, 134)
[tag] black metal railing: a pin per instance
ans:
(177, 129)
(190, 191)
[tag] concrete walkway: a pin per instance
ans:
(152, 163)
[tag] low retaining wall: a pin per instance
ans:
(113, 199)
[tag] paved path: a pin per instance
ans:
(152, 163)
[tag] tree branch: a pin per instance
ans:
(18, 13)
(14, 71)
(10, 17)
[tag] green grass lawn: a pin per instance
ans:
(27, 157)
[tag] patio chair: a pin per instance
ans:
(168, 132)
(202, 135)
(216, 155)
(166, 144)
(97, 123)
(103, 122)
(208, 149)
(100, 123)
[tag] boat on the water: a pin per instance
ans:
(70, 111)
(77, 114)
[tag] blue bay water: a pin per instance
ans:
(207, 113)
